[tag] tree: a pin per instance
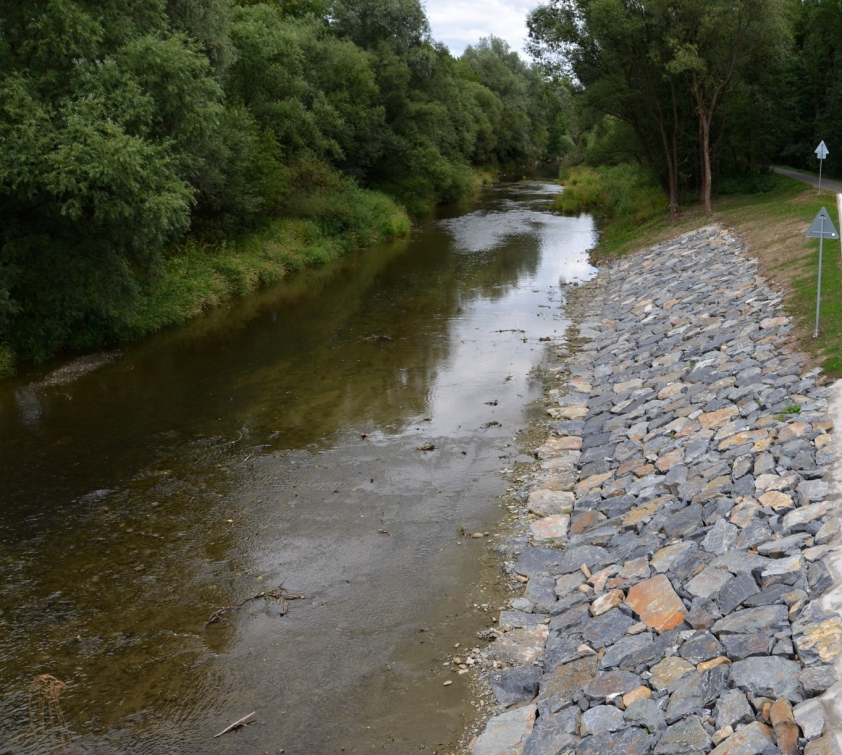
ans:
(715, 43)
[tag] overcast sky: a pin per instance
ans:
(459, 23)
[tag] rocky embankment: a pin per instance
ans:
(675, 562)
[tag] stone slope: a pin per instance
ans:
(675, 559)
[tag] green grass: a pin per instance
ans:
(7, 361)
(625, 197)
(773, 223)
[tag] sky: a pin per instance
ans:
(459, 23)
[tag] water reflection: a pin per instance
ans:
(276, 441)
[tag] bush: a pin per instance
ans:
(625, 193)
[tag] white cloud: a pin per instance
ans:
(459, 23)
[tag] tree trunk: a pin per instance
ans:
(704, 126)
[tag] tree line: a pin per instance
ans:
(705, 93)
(127, 127)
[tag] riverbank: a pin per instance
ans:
(195, 277)
(674, 563)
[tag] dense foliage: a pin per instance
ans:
(129, 127)
(691, 86)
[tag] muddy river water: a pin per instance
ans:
(277, 442)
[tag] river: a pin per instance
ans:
(279, 441)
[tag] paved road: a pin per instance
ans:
(808, 178)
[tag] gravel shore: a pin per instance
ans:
(681, 521)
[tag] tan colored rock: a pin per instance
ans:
(749, 740)
(713, 663)
(639, 693)
(721, 735)
(777, 501)
(639, 513)
(592, 483)
(793, 431)
(783, 723)
(739, 439)
(581, 385)
(606, 602)
(585, 520)
(550, 527)
(668, 671)
(656, 603)
(714, 420)
(556, 446)
(744, 513)
(669, 460)
(671, 391)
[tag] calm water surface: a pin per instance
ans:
(276, 441)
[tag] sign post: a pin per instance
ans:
(822, 227)
(821, 153)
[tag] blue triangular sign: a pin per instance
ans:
(822, 225)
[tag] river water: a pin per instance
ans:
(277, 441)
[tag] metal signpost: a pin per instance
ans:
(821, 153)
(821, 228)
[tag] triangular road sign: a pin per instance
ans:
(821, 151)
(822, 225)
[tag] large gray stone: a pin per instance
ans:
(735, 591)
(507, 733)
(515, 684)
(685, 738)
(646, 713)
(554, 735)
(602, 718)
(732, 709)
(632, 741)
(694, 692)
(539, 562)
(607, 629)
(701, 647)
(762, 619)
(619, 653)
(771, 677)
(810, 716)
(816, 679)
(721, 538)
(609, 684)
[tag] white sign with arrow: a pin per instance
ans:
(821, 228)
(821, 153)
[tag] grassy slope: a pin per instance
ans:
(773, 224)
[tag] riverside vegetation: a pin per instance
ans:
(160, 157)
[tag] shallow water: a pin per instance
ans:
(276, 441)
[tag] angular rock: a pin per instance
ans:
(811, 718)
(515, 685)
(753, 739)
(555, 734)
(783, 724)
(696, 691)
(589, 555)
(735, 591)
(607, 629)
(610, 684)
(817, 679)
(732, 709)
(624, 649)
(702, 647)
(817, 635)
(656, 603)
(742, 646)
(606, 602)
(827, 745)
(539, 562)
(560, 686)
(631, 741)
(507, 733)
(602, 718)
(708, 582)
(771, 677)
(721, 538)
(805, 515)
(645, 713)
(685, 738)
(763, 619)
(668, 671)
(553, 527)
